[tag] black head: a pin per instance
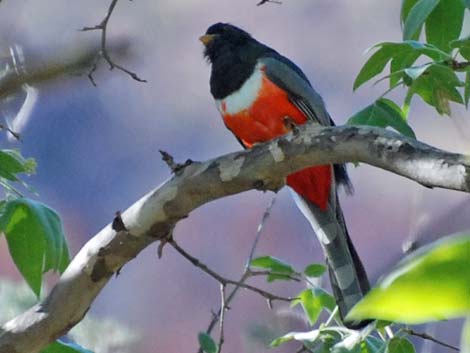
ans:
(224, 38)
(233, 54)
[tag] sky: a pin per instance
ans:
(97, 152)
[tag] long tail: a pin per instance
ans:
(347, 275)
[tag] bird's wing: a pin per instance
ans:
(286, 75)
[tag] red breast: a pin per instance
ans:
(256, 113)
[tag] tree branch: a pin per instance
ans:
(425, 336)
(262, 2)
(224, 281)
(224, 308)
(263, 167)
(11, 81)
(103, 27)
(247, 271)
(75, 63)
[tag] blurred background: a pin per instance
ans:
(97, 152)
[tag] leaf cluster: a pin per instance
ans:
(436, 70)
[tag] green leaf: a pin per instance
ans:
(416, 17)
(431, 285)
(444, 24)
(283, 339)
(437, 88)
(62, 347)
(207, 343)
(374, 66)
(383, 113)
(467, 88)
(402, 55)
(463, 45)
(310, 336)
(272, 263)
(313, 301)
(315, 270)
(373, 345)
(427, 49)
(400, 62)
(406, 6)
(311, 305)
(381, 324)
(416, 71)
(327, 340)
(351, 343)
(326, 300)
(400, 345)
(12, 163)
(278, 277)
(466, 3)
(35, 239)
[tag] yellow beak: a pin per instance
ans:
(207, 38)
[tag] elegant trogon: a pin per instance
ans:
(256, 89)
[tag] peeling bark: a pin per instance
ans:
(265, 166)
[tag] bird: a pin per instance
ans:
(262, 95)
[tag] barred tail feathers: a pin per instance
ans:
(347, 274)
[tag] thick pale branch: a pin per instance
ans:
(263, 167)
(75, 63)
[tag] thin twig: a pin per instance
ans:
(457, 65)
(103, 27)
(266, 215)
(246, 273)
(297, 277)
(170, 162)
(389, 332)
(332, 316)
(94, 67)
(304, 348)
(262, 2)
(223, 307)
(425, 336)
(219, 278)
(216, 315)
(13, 133)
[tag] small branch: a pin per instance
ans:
(297, 277)
(331, 317)
(94, 67)
(304, 348)
(12, 81)
(104, 53)
(246, 273)
(223, 307)
(425, 336)
(174, 167)
(156, 214)
(222, 280)
(169, 160)
(457, 65)
(262, 2)
(216, 315)
(266, 215)
(13, 133)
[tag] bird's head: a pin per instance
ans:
(224, 38)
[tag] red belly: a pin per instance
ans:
(263, 121)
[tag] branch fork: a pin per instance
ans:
(155, 215)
